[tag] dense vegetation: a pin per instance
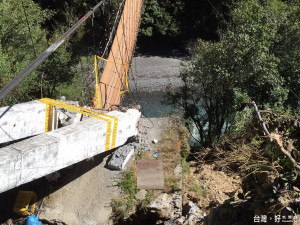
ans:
(181, 19)
(256, 59)
(27, 28)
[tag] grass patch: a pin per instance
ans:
(126, 204)
(148, 199)
(128, 183)
(200, 190)
(173, 148)
(185, 168)
(171, 184)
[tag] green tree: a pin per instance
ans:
(200, 19)
(181, 19)
(288, 51)
(208, 97)
(251, 61)
(19, 45)
(92, 34)
(255, 39)
(161, 18)
(22, 39)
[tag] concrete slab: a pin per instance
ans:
(120, 157)
(150, 174)
(43, 154)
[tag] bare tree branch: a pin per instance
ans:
(278, 140)
(262, 123)
(276, 137)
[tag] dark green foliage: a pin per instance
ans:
(251, 61)
(20, 46)
(47, 20)
(256, 39)
(201, 19)
(185, 19)
(208, 95)
(161, 18)
(28, 28)
(92, 32)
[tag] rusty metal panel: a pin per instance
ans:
(150, 174)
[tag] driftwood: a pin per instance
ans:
(276, 137)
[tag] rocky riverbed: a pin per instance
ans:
(155, 73)
(149, 77)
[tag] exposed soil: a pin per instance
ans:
(85, 200)
(210, 187)
(82, 193)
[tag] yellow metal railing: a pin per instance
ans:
(97, 91)
(50, 103)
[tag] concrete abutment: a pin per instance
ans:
(46, 153)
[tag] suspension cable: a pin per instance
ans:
(29, 30)
(38, 61)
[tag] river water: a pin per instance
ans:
(148, 78)
(150, 102)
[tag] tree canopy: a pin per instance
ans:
(27, 28)
(22, 38)
(254, 59)
(181, 19)
(254, 50)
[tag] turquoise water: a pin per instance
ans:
(152, 107)
(150, 102)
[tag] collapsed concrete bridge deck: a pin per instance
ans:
(46, 153)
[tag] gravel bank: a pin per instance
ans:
(154, 73)
(148, 79)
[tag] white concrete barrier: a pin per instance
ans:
(46, 153)
(22, 120)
